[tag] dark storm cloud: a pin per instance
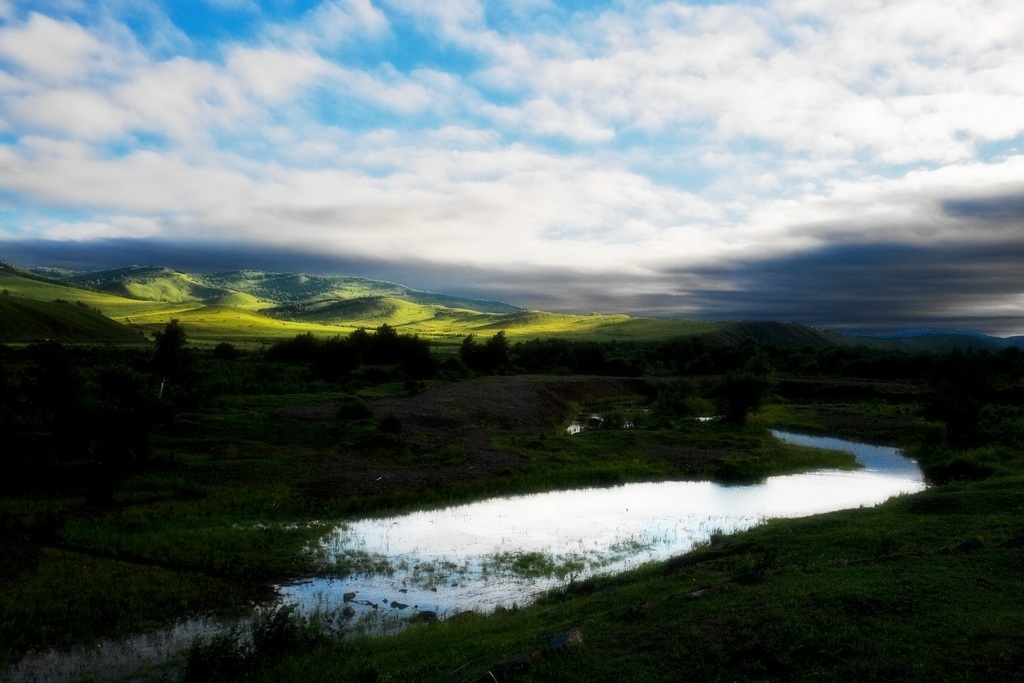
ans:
(874, 287)
(1010, 207)
(199, 258)
(871, 287)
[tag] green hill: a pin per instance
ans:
(249, 305)
(154, 283)
(31, 286)
(776, 334)
(27, 320)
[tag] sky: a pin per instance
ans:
(853, 165)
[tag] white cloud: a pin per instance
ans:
(118, 227)
(81, 113)
(331, 24)
(614, 141)
(51, 49)
(273, 74)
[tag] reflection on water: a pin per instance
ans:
(506, 551)
(116, 660)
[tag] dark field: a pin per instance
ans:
(197, 502)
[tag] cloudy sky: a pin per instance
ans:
(848, 164)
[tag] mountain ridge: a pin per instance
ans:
(275, 304)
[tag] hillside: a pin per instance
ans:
(256, 289)
(26, 320)
(937, 340)
(778, 334)
(249, 305)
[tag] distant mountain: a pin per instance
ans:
(937, 340)
(250, 305)
(279, 294)
(777, 334)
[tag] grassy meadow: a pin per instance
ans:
(181, 476)
(250, 311)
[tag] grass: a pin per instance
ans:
(226, 503)
(111, 306)
(232, 315)
(870, 594)
(234, 496)
(689, 450)
(24, 320)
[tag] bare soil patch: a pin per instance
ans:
(445, 432)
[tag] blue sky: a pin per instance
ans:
(854, 165)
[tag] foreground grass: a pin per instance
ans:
(224, 510)
(919, 588)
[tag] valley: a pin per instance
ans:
(177, 457)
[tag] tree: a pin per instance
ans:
(960, 389)
(171, 359)
(491, 356)
(741, 392)
(495, 352)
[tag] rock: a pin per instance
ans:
(639, 609)
(570, 638)
(398, 605)
(348, 612)
(348, 597)
(427, 615)
(403, 590)
(521, 662)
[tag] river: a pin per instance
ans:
(504, 552)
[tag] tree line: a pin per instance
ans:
(100, 404)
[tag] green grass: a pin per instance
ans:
(226, 323)
(227, 502)
(690, 450)
(24, 320)
(119, 308)
(869, 594)
(236, 493)
(219, 312)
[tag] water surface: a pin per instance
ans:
(503, 552)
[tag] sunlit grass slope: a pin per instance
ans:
(26, 320)
(292, 303)
(226, 323)
(156, 283)
(254, 305)
(116, 307)
(203, 322)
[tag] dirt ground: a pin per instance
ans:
(451, 425)
(443, 434)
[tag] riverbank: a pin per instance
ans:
(921, 588)
(238, 490)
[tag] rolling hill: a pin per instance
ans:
(249, 306)
(28, 320)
